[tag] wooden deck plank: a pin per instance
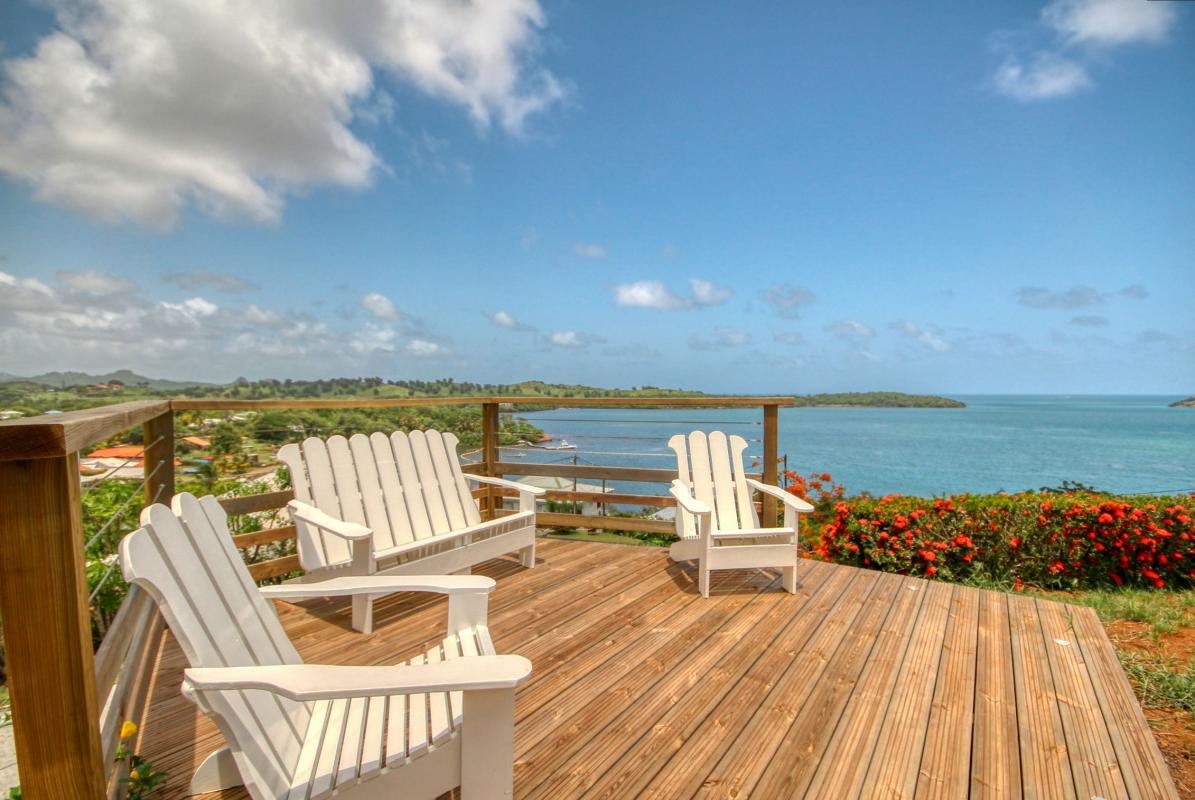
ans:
(1141, 763)
(995, 755)
(896, 758)
(641, 688)
(1045, 767)
(1093, 761)
(953, 705)
(747, 757)
(725, 700)
(843, 765)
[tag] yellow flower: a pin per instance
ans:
(128, 729)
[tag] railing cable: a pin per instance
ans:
(120, 509)
(89, 487)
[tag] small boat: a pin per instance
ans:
(564, 445)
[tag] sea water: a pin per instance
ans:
(1122, 444)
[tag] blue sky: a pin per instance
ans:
(922, 197)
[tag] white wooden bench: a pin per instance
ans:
(397, 504)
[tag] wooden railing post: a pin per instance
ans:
(489, 454)
(771, 456)
(159, 458)
(43, 599)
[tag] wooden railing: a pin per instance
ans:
(69, 702)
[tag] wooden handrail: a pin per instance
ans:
(56, 435)
(226, 404)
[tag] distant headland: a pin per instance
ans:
(877, 400)
(1188, 403)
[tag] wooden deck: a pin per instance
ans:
(862, 685)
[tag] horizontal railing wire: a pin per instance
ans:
(112, 472)
(121, 508)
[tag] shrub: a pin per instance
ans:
(1058, 541)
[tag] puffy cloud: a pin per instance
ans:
(708, 294)
(1110, 22)
(504, 320)
(1044, 76)
(423, 348)
(64, 327)
(1051, 59)
(380, 306)
(786, 300)
(131, 109)
(94, 282)
(202, 278)
(1089, 321)
(573, 339)
(850, 329)
(722, 338)
(927, 338)
(589, 250)
(654, 294)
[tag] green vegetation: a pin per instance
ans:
(1164, 612)
(1158, 683)
(1188, 403)
(877, 400)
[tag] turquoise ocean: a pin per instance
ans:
(1123, 444)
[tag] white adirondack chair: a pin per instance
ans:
(293, 730)
(716, 520)
(396, 504)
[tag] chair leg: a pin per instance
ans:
(217, 772)
(527, 556)
(703, 578)
(488, 744)
(790, 579)
(363, 613)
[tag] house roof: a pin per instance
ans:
(124, 451)
(198, 441)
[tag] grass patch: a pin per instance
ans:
(1164, 612)
(1158, 684)
(5, 708)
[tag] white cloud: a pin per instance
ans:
(1051, 59)
(786, 300)
(928, 338)
(380, 306)
(724, 337)
(25, 294)
(1110, 21)
(647, 294)
(373, 338)
(203, 278)
(708, 294)
(850, 329)
(573, 339)
(787, 337)
(589, 250)
(504, 320)
(94, 282)
(262, 316)
(423, 348)
(654, 294)
(133, 109)
(1045, 76)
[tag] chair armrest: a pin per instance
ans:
(326, 522)
(686, 500)
(347, 585)
(306, 682)
(521, 488)
(527, 494)
(789, 499)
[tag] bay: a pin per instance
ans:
(1122, 444)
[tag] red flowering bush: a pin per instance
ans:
(1048, 540)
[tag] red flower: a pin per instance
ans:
(931, 571)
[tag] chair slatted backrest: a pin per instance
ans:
(188, 564)
(712, 467)
(405, 487)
